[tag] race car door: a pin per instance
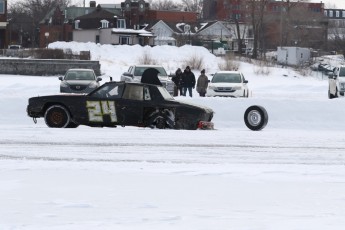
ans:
(131, 106)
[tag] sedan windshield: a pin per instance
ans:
(140, 70)
(227, 77)
(80, 75)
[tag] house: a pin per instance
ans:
(167, 33)
(3, 24)
(58, 24)
(132, 19)
(164, 34)
(294, 56)
(104, 27)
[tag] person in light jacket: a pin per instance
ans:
(202, 83)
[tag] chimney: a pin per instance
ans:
(93, 4)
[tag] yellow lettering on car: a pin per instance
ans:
(97, 109)
(108, 107)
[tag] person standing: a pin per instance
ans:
(188, 81)
(201, 85)
(177, 79)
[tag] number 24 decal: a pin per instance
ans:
(97, 109)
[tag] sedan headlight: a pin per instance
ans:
(212, 87)
(93, 85)
(64, 85)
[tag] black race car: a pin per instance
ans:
(120, 103)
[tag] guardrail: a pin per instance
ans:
(45, 67)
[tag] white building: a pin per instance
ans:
(294, 56)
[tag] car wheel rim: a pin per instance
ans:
(254, 118)
(56, 118)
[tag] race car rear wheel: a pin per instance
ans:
(255, 117)
(57, 116)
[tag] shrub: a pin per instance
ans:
(195, 62)
(261, 67)
(229, 63)
(146, 59)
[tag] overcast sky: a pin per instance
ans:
(328, 3)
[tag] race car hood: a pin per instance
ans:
(207, 109)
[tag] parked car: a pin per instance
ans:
(326, 68)
(336, 83)
(79, 81)
(13, 50)
(135, 72)
(120, 103)
(228, 84)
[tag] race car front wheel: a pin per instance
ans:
(162, 119)
(256, 117)
(57, 116)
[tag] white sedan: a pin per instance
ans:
(228, 84)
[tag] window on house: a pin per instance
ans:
(76, 24)
(121, 23)
(325, 13)
(331, 14)
(124, 40)
(343, 13)
(337, 14)
(237, 16)
(105, 23)
(2, 7)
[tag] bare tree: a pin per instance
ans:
(256, 13)
(163, 4)
(25, 16)
(192, 5)
(237, 23)
(337, 36)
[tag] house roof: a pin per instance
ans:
(99, 13)
(141, 32)
(74, 12)
(179, 27)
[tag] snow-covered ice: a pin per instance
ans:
(289, 176)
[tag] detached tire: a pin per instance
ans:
(256, 117)
(57, 116)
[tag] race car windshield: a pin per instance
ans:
(166, 95)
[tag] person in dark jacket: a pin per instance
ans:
(150, 76)
(177, 79)
(188, 81)
(202, 83)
